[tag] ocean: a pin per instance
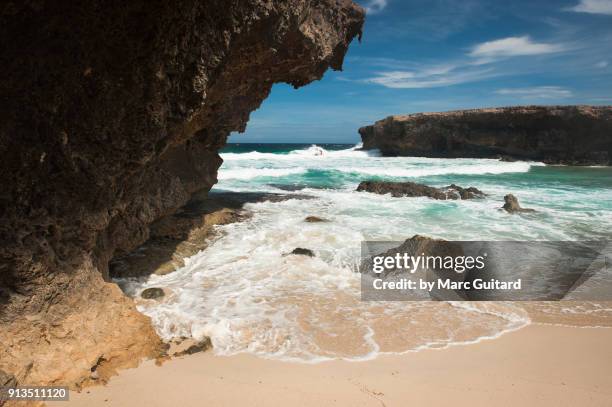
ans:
(245, 294)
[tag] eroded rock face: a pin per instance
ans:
(111, 117)
(573, 135)
(177, 236)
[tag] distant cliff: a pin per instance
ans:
(573, 135)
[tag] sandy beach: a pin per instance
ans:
(540, 365)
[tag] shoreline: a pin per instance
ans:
(132, 386)
(536, 365)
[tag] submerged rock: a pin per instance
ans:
(315, 219)
(465, 193)
(511, 205)
(201, 346)
(152, 293)
(286, 187)
(302, 252)
(412, 189)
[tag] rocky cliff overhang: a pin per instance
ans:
(111, 116)
(574, 135)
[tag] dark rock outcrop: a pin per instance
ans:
(417, 245)
(465, 193)
(412, 189)
(152, 293)
(299, 251)
(111, 117)
(400, 189)
(573, 135)
(511, 205)
(315, 219)
(201, 346)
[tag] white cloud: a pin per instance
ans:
(593, 7)
(481, 63)
(601, 64)
(537, 92)
(430, 76)
(375, 6)
(511, 47)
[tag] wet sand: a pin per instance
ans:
(540, 365)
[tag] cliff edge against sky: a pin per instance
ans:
(573, 135)
(112, 115)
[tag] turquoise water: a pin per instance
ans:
(249, 296)
(573, 203)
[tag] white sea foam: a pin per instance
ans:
(356, 161)
(254, 155)
(248, 296)
(309, 153)
(250, 173)
(353, 152)
(488, 167)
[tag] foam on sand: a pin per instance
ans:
(245, 294)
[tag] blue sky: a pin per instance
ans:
(437, 55)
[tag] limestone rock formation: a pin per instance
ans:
(511, 205)
(177, 236)
(573, 135)
(412, 189)
(111, 117)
